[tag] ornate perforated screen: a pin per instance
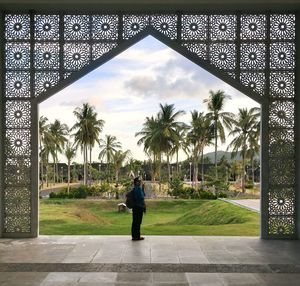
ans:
(43, 53)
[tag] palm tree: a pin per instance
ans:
(109, 146)
(169, 129)
(70, 153)
(254, 146)
(235, 170)
(215, 104)
(243, 129)
(161, 133)
(134, 166)
(150, 137)
(181, 144)
(118, 158)
(59, 132)
(43, 132)
(87, 132)
(48, 147)
(200, 135)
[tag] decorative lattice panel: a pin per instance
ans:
(258, 51)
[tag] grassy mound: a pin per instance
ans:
(215, 213)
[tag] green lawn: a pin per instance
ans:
(163, 217)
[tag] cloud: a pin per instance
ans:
(173, 78)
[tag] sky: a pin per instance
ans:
(130, 87)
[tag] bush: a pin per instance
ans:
(93, 191)
(105, 187)
(207, 195)
(221, 195)
(249, 185)
(191, 192)
(176, 188)
(75, 193)
(80, 193)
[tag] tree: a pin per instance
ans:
(70, 153)
(134, 166)
(58, 131)
(244, 126)
(181, 144)
(118, 158)
(150, 137)
(254, 147)
(215, 104)
(43, 134)
(87, 131)
(161, 133)
(109, 146)
(200, 135)
(169, 129)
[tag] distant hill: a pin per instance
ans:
(220, 154)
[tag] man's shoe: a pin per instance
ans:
(138, 238)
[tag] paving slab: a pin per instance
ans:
(158, 260)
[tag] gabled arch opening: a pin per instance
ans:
(96, 75)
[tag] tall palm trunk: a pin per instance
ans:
(117, 176)
(69, 175)
(195, 171)
(41, 160)
(216, 147)
(243, 170)
(90, 168)
(56, 167)
(84, 164)
(47, 170)
(177, 163)
(159, 171)
(54, 171)
(57, 171)
(169, 166)
(202, 169)
(42, 174)
(154, 167)
(107, 169)
(252, 168)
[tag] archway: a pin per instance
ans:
(44, 53)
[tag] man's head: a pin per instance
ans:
(137, 181)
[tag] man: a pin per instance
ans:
(138, 209)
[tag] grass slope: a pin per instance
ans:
(164, 217)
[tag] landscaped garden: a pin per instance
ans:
(182, 194)
(163, 217)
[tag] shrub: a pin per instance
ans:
(190, 191)
(105, 187)
(127, 185)
(221, 195)
(75, 193)
(93, 191)
(176, 188)
(80, 193)
(59, 195)
(249, 185)
(207, 195)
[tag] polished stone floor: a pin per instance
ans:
(158, 260)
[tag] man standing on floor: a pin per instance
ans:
(138, 209)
